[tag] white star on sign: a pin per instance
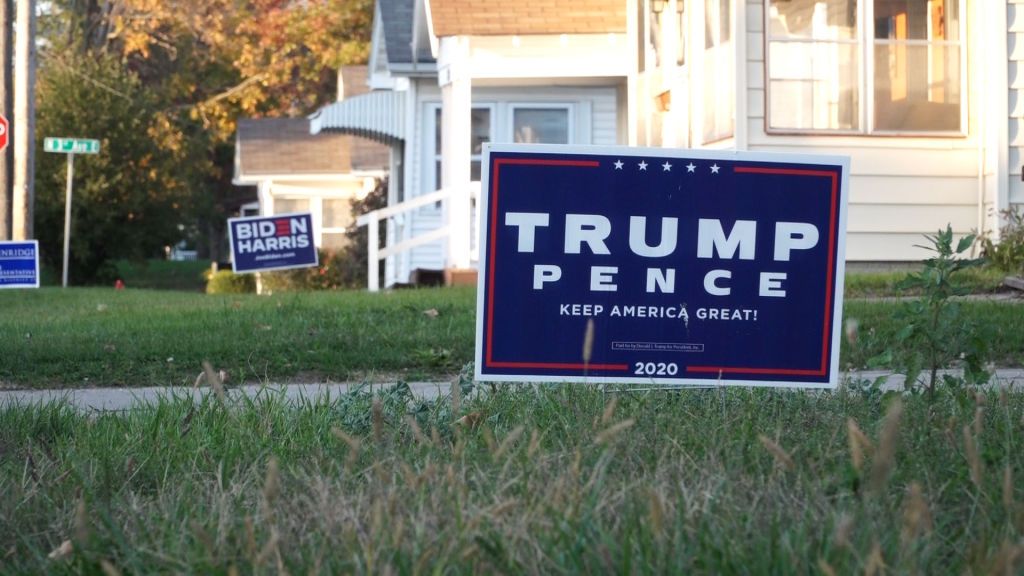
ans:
(714, 168)
(690, 167)
(643, 165)
(618, 164)
(666, 167)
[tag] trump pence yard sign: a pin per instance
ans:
(692, 267)
(278, 242)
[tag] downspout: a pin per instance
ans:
(414, 43)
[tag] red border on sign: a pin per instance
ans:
(828, 280)
(489, 329)
(489, 360)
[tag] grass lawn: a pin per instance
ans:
(102, 337)
(549, 481)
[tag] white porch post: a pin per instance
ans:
(456, 107)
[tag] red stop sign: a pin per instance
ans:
(4, 131)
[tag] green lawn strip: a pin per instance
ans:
(558, 480)
(999, 324)
(982, 280)
(103, 337)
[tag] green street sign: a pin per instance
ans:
(71, 145)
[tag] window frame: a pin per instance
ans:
(570, 113)
(865, 42)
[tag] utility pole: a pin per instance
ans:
(6, 163)
(24, 120)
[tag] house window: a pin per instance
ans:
(291, 205)
(536, 124)
(480, 134)
(828, 71)
(337, 216)
(718, 70)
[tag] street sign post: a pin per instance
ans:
(69, 146)
(674, 267)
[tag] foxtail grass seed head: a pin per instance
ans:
(1008, 489)
(611, 432)
(876, 562)
(826, 568)
(271, 486)
(782, 458)
(534, 446)
(417, 433)
(108, 568)
(656, 511)
(609, 411)
(887, 443)
(843, 529)
(979, 420)
(377, 413)
(859, 443)
(61, 552)
(917, 518)
(971, 454)
(508, 441)
(588, 341)
(214, 381)
(82, 528)
(456, 396)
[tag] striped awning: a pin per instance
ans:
(377, 115)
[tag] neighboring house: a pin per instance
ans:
(295, 171)
(925, 96)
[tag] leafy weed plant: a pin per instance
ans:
(935, 334)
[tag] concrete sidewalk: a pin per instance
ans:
(115, 399)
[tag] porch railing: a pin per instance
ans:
(372, 220)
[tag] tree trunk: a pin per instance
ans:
(6, 163)
(24, 121)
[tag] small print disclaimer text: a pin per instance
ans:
(658, 346)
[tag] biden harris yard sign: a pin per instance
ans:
(278, 242)
(19, 264)
(693, 267)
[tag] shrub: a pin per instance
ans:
(227, 282)
(1008, 254)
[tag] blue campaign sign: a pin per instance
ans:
(690, 267)
(19, 264)
(278, 242)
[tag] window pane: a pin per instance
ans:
(917, 20)
(917, 87)
(290, 205)
(541, 125)
(813, 86)
(480, 131)
(337, 213)
(818, 19)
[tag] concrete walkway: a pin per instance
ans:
(115, 399)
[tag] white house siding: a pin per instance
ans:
(901, 188)
(1015, 47)
(597, 102)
